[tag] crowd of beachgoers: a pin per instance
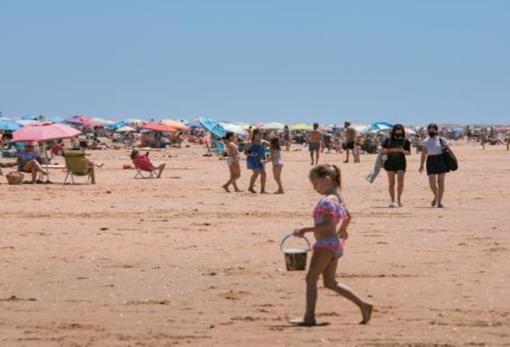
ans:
(40, 143)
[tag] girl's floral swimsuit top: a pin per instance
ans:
(335, 210)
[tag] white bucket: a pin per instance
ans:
(295, 258)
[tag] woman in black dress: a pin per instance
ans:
(396, 147)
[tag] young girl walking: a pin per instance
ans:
(233, 158)
(255, 162)
(330, 210)
(276, 159)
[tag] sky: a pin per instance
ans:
(410, 61)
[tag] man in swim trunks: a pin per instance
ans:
(315, 143)
(350, 134)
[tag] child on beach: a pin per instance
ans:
(255, 161)
(275, 157)
(330, 210)
(233, 158)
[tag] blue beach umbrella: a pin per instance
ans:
(212, 126)
(8, 124)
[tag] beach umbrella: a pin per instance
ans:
(27, 122)
(8, 124)
(44, 132)
(301, 126)
(83, 121)
(410, 131)
(125, 129)
(362, 128)
(175, 124)
(236, 129)
(273, 126)
(159, 127)
(134, 121)
(213, 126)
(102, 121)
(29, 117)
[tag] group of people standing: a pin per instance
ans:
(255, 151)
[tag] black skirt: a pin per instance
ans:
(436, 165)
(395, 162)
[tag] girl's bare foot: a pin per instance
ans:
(400, 204)
(433, 203)
(263, 192)
(226, 188)
(252, 191)
(440, 205)
(278, 192)
(238, 191)
(366, 312)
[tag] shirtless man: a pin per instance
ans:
(350, 134)
(314, 143)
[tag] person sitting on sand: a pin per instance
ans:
(30, 161)
(330, 210)
(143, 163)
(232, 159)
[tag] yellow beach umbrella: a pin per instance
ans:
(301, 126)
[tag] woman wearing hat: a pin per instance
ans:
(432, 150)
(396, 147)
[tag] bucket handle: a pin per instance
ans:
(292, 234)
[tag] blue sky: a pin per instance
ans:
(412, 61)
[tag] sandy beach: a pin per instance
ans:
(177, 261)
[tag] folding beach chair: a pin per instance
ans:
(76, 165)
(140, 173)
(143, 172)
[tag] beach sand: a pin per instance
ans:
(151, 262)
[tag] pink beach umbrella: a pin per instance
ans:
(45, 132)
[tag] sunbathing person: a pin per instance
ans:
(29, 161)
(143, 163)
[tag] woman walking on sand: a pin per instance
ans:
(432, 150)
(396, 147)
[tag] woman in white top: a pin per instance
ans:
(432, 150)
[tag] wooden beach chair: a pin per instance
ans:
(76, 165)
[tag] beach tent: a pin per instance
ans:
(8, 124)
(213, 126)
(236, 129)
(301, 126)
(273, 126)
(44, 132)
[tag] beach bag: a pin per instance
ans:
(14, 177)
(449, 157)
